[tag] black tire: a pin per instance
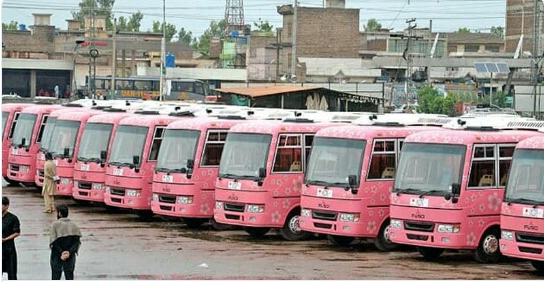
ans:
(539, 266)
(194, 222)
(291, 229)
(219, 226)
(341, 241)
(256, 232)
(112, 209)
(430, 254)
(145, 214)
(12, 182)
(382, 242)
(81, 202)
(488, 250)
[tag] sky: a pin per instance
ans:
(447, 15)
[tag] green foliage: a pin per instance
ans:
(498, 30)
(170, 30)
(13, 25)
(185, 36)
(372, 25)
(216, 29)
(98, 7)
(431, 102)
(464, 30)
(135, 21)
(263, 26)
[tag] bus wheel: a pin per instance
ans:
(383, 242)
(194, 222)
(144, 214)
(81, 202)
(12, 182)
(112, 209)
(291, 229)
(219, 226)
(538, 265)
(256, 232)
(342, 241)
(430, 254)
(488, 250)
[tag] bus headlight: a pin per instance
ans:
(218, 205)
(349, 217)
(24, 168)
(133, 193)
(185, 200)
(65, 181)
(395, 223)
(305, 213)
(507, 235)
(155, 198)
(255, 208)
(448, 228)
(98, 186)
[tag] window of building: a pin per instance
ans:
(383, 161)
(42, 127)
(472, 48)
(156, 145)
(490, 48)
(288, 153)
(482, 173)
(215, 142)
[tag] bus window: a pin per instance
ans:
(199, 89)
(505, 160)
(42, 127)
(482, 172)
(288, 154)
(182, 86)
(383, 162)
(142, 85)
(215, 142)
(13, 124)
(157, 140)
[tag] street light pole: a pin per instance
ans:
(74, 85)
(163, 47)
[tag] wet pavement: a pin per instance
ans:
(119, 245)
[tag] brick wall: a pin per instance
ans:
(519, 19)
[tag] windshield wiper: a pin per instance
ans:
(231, 176)
(406, 191)
(337, 184)
(525, 201)
(97, 160)
(317, 182)
(430, 192)
(82, 159)
(116, 163)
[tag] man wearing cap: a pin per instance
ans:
(49, 183)
(10, 230)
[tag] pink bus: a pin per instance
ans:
(522, 216)
(260, 175)
(89, 169)
(350, 175)
(64, 146)
(46, 140)
(10, 115)
(449, 189)
(188, 162)
(26, 141)
(132, 161)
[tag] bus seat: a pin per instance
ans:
(296, 166)
(486, 180)
(389, 172)
(504, 178)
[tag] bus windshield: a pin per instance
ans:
(47, 133)
(5, 116)
(24, 128)
(64, 136)
(526, 183)
(177, 147)
(244, 154)
(96, 137)
(429, 168)
(129, 141)
(333, 160)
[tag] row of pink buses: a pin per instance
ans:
(10, 115)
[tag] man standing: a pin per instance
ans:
(49, 183)
(10, 230)
(64, 242)
(57, 91)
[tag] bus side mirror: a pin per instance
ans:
(66, 152)
(103, 155)
(135, 160)
(456, 189)
(262, 172)
(23, 142)
(352, 180)
(190, 164)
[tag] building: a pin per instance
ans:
(520, 21)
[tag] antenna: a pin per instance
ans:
(234, 15)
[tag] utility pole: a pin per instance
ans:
(408, 58)
(294, 48)
(114, 59)
(536, 53)
(163, 47)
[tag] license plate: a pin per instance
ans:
(417, 202)
(14, 151)
(85, 167)
(235, 185)
(326, 193)
(168, 178)
(118, 172)
(534, 213)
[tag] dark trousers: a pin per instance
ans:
(9, 265)
(58, 265)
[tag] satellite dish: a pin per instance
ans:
(283, 78)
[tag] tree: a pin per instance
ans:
(13, 25)
(99, 8)
(464, 30)
(263, 26)
(170, 30)
(431, 102)
(135, 21)
(498, 30)
(372, 25)
(122, 24)
(185, 36)
(216, 29)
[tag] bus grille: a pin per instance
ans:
(324, 215)
(529, 238)
(167, 199)
(234, 207)
(117, 192)
(83, 185)
(419, 226)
